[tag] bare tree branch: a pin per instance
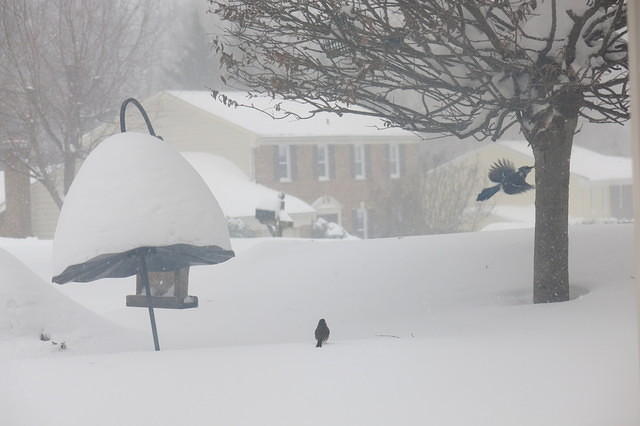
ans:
(64, 67)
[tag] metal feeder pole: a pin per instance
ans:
(142, 252)
(145, 281)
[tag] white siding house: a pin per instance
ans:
(599, 186)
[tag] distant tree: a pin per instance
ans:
(434, 200)
(65, 66)
(448, 199)
(194, 66)
(399, 207)
(473, 68)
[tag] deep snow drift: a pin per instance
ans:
(424, 330)
(30, 307)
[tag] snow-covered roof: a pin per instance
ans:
(322, 124)
(237, 195)
(586, 163)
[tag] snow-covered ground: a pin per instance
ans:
(431, 330)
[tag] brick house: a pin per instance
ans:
(342, 181)
(342, 166)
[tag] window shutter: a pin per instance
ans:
(401, 158)
(276, 168)
(387, 159)
(352, 157)
(367, 161)
(332, 161)
(294, 163)
(315, 166)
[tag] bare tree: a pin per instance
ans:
(449, 194)
(65, 65)
(399, 207)
(473, 69)
(437, 199)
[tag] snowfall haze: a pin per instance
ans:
(341, 186)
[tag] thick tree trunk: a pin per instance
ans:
(17, 214)
(552, 152)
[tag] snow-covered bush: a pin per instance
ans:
(239, 229)
(325, 229)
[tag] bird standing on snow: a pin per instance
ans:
(506, 176)
(322, 333)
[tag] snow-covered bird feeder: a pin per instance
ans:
(271, 213)
(137, 207)
(169, 290)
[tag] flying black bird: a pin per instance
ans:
(506, 176)
(322, 332)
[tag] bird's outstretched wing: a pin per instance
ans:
(501, 171)
(516, 188)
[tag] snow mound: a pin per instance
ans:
(135, 191)
(28, 305)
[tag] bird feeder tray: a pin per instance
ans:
(169, 290)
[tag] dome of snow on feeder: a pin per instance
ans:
(135, 192)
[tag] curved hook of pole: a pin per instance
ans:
(123, 109)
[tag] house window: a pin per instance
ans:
(283, 163)
(394, 160)
(359, 162)
(322, 162)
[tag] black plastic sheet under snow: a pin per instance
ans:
(125, 264)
